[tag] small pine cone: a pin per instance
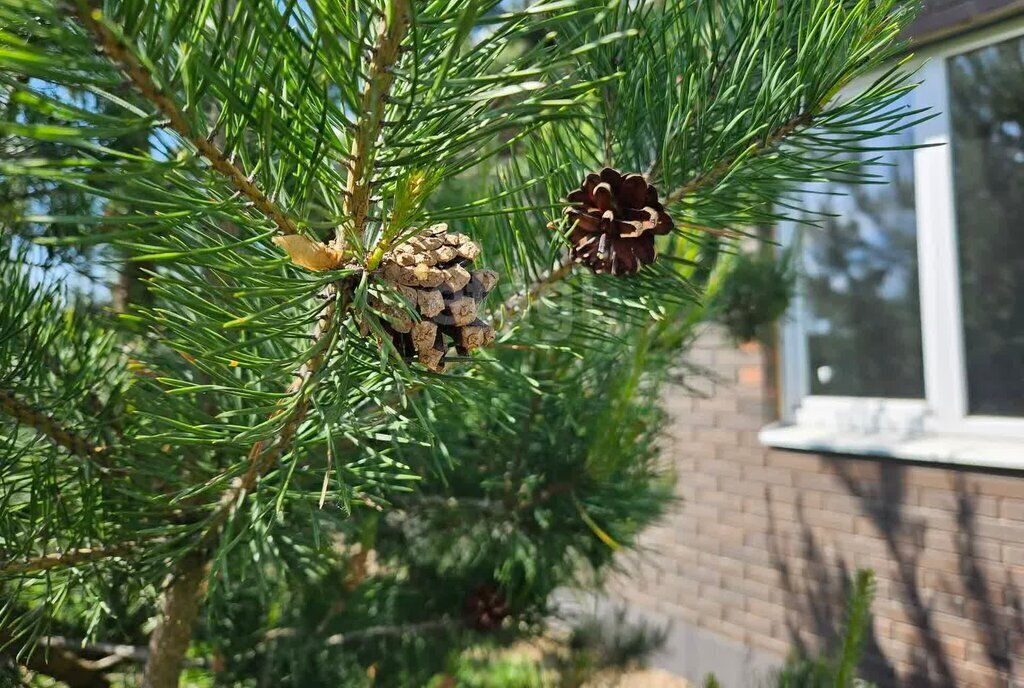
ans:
(486, 608)
(614, 221)
(433, 273)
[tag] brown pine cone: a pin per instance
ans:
(433, 273)
(615, 219)
(486, 608)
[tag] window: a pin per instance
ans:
(986, 91)
(859, 281)
(907, 337)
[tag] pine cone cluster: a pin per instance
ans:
(486, 608)
(615, 218)
(434, 272)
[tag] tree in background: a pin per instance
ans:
(305, 447)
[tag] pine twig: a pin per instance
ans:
(113, 653)
(64, 665)
(142, 78)
(182, 599)
(520, 301)
(262, 459)
(720, 170)
(397, 630)
(386, 54)
(73, 557)
(51, 428)
(372, 102)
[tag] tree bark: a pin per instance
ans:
(172, 636)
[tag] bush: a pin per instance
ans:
(754, 294)
(835, 667)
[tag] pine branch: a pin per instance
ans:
(64, 665)
(399, 630)
(378, 87)
(720, 170)
(392, 31)
(183, 597)
(71, 558)
(140, 76)
(50, 428)
(515, 305)
(372, 101)
(386, 53)
(261, 457)
(171, 638)
(113, 653)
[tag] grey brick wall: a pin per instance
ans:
(763, 544)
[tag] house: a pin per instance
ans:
(884, 428)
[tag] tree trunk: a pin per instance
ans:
(131, 290)
(172, 636)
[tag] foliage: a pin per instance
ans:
(755, 292)
(507, 671)
(600, 649)
(593, 652)
(211, 457)
(836, 667)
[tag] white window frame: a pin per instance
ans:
(938, 427)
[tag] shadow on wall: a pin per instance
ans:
(817, 587)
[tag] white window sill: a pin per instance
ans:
(990, 452)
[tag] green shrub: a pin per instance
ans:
(835, 667)
(755, 293)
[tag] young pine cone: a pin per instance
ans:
(614, 221)
(433, 271)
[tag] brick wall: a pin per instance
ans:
(760, 551)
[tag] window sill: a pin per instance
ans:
(989, 452)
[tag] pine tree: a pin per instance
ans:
(239, 467)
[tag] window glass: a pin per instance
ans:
(986, 93)
(859, 283)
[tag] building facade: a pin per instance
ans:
(884, 428)
(756, 558)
